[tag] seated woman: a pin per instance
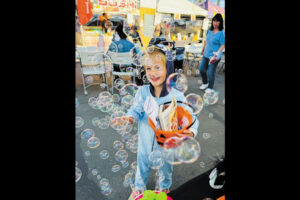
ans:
(120, 44)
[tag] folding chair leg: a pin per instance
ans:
(83, 82)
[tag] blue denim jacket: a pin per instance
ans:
(123, 45)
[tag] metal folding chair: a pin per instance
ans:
(120, 59)
(92, 62)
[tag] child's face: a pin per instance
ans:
(157, 71)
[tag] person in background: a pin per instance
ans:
(103, 19)
(119, 44)
(135, 36)
(212, 52)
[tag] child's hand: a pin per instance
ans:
(185, 133)
(122, 121)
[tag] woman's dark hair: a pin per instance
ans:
(218, 17)
(120, 31)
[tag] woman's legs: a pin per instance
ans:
(203, 68)
(212, 74)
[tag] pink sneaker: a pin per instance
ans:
(165, 190)
(134, 194)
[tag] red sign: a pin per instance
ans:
(118, 3)
(84, 11)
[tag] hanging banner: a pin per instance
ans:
(84, 10)
(130, 4)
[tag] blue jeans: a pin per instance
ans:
(210, 69)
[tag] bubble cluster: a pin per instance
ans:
(117, 121)
(79, 122)
(104, 154)
(177, 81)
(93, 142)
(105, 102)
(87, 134)
(106, 189)
(127, 101)
(93, 102)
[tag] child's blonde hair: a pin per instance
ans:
(156, 51)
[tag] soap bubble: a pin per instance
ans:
(128, 180)
(113, 47)
(87, 153)
(93, 102)
(118, 145)
(206, 136)
(115, 168)
(108, 24)
(79, 122)
(102, 85)
(104, 94)
(156, 160)
(189, 150)
(189, 72)
(103, 123)
(210, 115)
(133, 165)
(197, 72)
(127, 129)
(95, 121)
(104, 154)
(125, 164)
(136, 54)
(126, 137)
(211, 97)
(177, 81)
(121, 156)
(134, 147)
(98, 177)
(94, 172)
(119, 83)
(105, 103)
(195, 102)
(170, 56)
(93, 142)
(129, 88)
(89, 79)
(106, 189)
(120, 46)
(78, 174)
(87, 134)
(180, 71)
(170, 150)
(145, 79)
(115, 98)
(127, 101)
(117, 121)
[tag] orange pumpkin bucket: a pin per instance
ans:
(185, 120)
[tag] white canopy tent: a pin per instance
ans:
(183, 7)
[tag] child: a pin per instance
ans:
(157, 71)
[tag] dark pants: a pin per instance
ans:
(210, 69)
(197, 188)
